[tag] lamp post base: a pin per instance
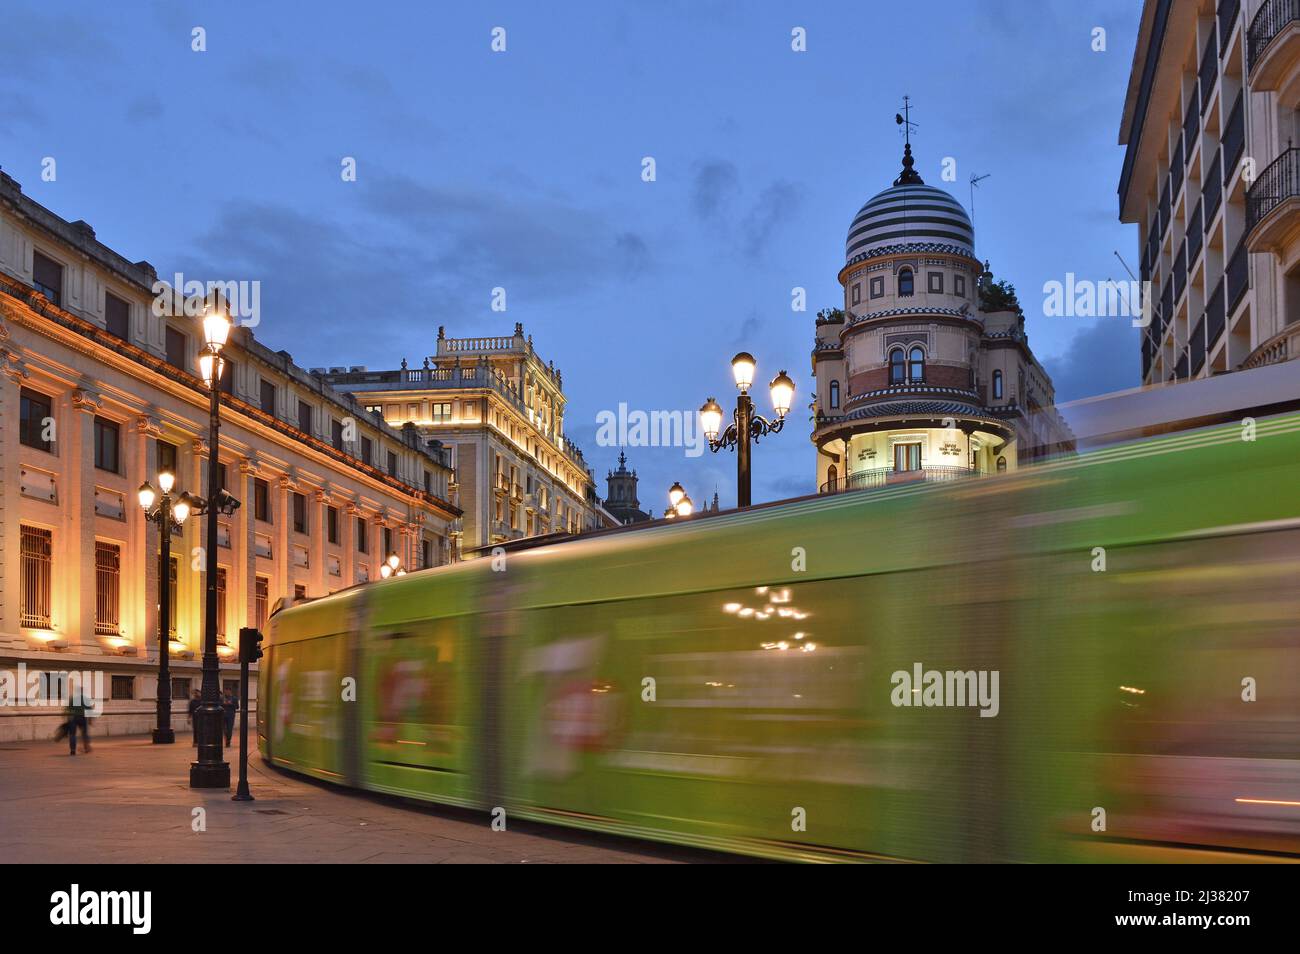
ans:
(210, 770)
(210, 775)
(164, 736)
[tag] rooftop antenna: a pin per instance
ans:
(975, 181)
(1155, 306)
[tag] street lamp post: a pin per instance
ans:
(211, 770)
(166, 514)
(679, 502)
(392, 566)
(746, 426)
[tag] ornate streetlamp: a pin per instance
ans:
(746, 426)
(167, 513)
(211, 770)
(392, 567)
(679, 503)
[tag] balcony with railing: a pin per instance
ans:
(1273, 45)
(1209, 71)
(1180, 271)
(1234, 138)
(1212, 193)
(1197, 345)
(1238, 277)
(1191, 127)
(1165, 206)
(1195, 236)
(1228, 10)
(888, 477)
(1273, 204)
(1215, 316)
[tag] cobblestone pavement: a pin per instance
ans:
(130, 801)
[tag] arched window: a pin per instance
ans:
(905, 282)
(897, 368)
(1002, 465)
(835, 394)
(997, 385)
(832, 473)
(916, 365)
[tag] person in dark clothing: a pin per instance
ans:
(77, 719)
(229, 706)
(194, 707)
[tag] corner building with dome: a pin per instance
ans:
(915, 381)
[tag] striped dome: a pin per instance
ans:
(911, 213)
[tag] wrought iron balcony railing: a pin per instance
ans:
(888, 477)
(1279, 182)
(1272, 19)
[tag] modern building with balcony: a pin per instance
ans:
(1211, 177)
(497, 409)
(926, 373)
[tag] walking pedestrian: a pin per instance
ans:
(194, 727)
(229, 706)
(76, 713)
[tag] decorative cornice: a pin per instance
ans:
(902, 390)
(86, 400)
(912, 248)
(149, 426)
(13, 366)
(963, 312)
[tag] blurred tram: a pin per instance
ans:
(733, 682)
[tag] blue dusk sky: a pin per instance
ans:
(523, 169)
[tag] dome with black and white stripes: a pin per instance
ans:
(909, 213)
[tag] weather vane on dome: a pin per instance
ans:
(908, 176)
(904, 119)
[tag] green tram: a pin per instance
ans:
(735, 682)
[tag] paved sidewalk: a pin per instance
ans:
(130, 801)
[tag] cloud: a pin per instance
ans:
(776, 206)
(144, 108)
(714, 184)
(716, 192)
(1105, 356)
(398, 253)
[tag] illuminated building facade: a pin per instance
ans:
(497, 409)
(925, 374)
(99, 392)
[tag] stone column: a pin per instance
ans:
(246, 529)
(139, 581)
(281, 554)
(74, 547)
(319, 532)
(12, 375)
(375, 552)
(348, 541)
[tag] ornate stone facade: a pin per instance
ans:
(100, 391)
(915, 379)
